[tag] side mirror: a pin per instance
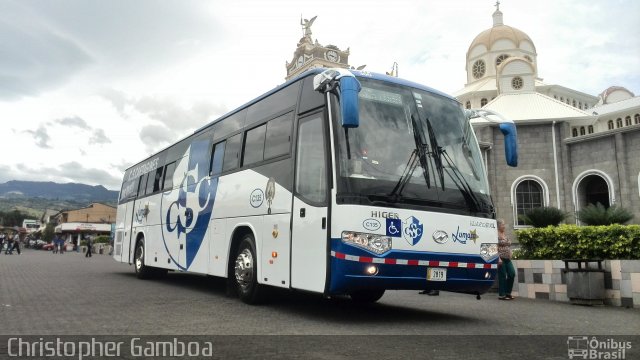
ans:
(507, 127)
(349, 88)
(349, 105)
(510, 143)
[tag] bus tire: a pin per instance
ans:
(366, 296)
(142, 270)
(245, 272)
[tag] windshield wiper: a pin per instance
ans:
(418, 156)
(438, 153)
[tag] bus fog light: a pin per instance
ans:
(377, 244)
(488, 252)
(372, 270)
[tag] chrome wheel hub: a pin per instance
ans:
(139, 258)
(244, 268)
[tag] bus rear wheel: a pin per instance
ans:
(245, 272)
(366, 296)
(144, 271)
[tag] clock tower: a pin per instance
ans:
(310, 54)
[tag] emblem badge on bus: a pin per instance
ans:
(256, 198)
(412, 230)
(440, 236)
(188, 208)
(371, 224)
(270, 193)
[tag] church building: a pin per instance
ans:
(575, 148)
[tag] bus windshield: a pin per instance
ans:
(412, 147)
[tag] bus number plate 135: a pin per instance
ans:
(436, 274)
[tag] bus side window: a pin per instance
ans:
(254, 145)
(157, 180)
(216, 158)
(142, 184)
(150, 181)
(278, 136)
(232, 152)
(168, 176)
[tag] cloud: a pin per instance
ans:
(176, 117)
(73, 121)
(45, 44)
(156, 136)
(35, 56)
(99, 137)
(41, 136)
(71, 171)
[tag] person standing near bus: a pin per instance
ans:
(506, 271)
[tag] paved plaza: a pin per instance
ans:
(47, 294)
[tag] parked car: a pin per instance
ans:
(48, 246)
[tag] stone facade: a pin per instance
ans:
(545, 279)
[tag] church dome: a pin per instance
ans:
(499, 31)
(490, 36)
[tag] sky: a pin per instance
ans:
(90, 87)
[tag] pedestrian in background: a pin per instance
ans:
(89, 246)
(9, 241)
(55, 244)
(16, 244)
(2, 239)
(506, 271)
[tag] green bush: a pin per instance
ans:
(598, 215)
(102, 239)
(543, 217)
(579, 242)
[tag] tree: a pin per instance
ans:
(47, 234)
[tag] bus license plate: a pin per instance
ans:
(436, 274)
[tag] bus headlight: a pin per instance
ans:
(488, 251)
(378, 244)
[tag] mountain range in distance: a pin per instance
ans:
(51, 190)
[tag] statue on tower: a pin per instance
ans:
(306, 25)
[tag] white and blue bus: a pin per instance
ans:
(337, 182)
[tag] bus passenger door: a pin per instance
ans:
(309, 217)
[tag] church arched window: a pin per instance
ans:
(517, 83)
(555, 97)
(529, 196)
(483, 102)
(574, 103)
(467, 104)
(478, 69)
(627, 121)
(590, 129)
(582, 130)
(619, 122)
(636, 119)
(501, 58)
(574, 132)
(610, 125)
(562, 98)
(580, 105)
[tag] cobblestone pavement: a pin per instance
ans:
(47, 294)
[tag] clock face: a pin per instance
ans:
(300, 61)
(332, 56)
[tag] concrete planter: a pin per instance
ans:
(545, 279)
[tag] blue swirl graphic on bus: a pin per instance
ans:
(190, 212)
(412, 231)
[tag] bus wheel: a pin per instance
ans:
(366, 296)
(142, 271)
(245, 272)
